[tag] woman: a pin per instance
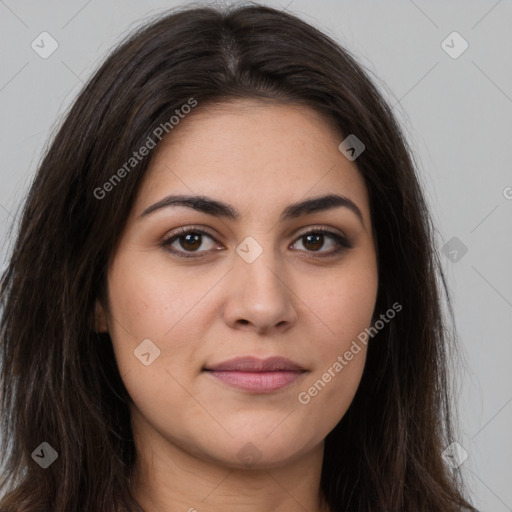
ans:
(224, 292)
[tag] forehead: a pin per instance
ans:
(249, 152)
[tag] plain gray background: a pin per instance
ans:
(456, 114)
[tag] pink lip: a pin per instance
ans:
(257, 375)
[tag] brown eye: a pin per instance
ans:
(187, 240)
(315, 240)
(192, 241)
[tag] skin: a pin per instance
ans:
(294, 301)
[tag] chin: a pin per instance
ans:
(259, 450)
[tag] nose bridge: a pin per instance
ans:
(256, 264)
(258, 292)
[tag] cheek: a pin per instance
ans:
(148, 295)
(328, 392)
(149, 301)
(345, 304)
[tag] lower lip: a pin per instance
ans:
(258, 382)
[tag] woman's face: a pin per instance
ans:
(253, 285)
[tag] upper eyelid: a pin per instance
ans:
(326, 229)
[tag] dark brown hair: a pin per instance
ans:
(59, 379)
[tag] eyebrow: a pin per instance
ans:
(220, 209)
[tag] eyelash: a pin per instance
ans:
(342, 243)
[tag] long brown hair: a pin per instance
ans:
(59, 379)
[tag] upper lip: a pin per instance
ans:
(253, 364)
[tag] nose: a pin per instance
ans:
(259, 298)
